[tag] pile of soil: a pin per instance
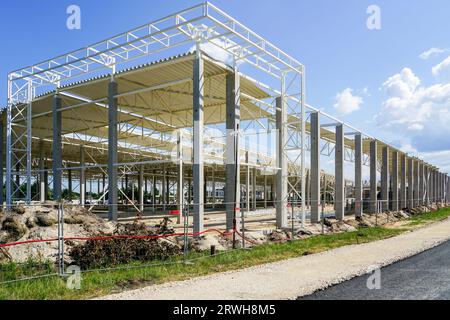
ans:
(40, 223)
(116, 251)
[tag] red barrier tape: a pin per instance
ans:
(224, 234)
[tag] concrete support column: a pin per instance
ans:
(421, 184)
(416, 184)
(385, 180)
(69, 180)
(154, 192)
(266, 195)
(213, 189)
(233, 168)
(82, 177)
(282, 174)
(57, 148)
(339, 173)
(358, 176)
(315, 167)
(427, 187)
(180, 177)
(198, 119)
(394, 170)
(410, 183)
(430, 185)
(141, 188)
(254, 183)
(373, 177)
(432, 194)
(403, 202)
(112, 152)
(42, 188)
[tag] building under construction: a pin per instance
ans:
(194, 111)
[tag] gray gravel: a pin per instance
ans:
(297, 277)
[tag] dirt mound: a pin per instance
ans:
(117, 251)
(40, 223)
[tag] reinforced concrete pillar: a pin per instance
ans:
(233, 169)
(394, 170)
(112, 152)
(254, 183)
(198, 119)
(430, 185)
(141, 188)
(57, 148)
(282, 174)
(421, 184)
(42, 188)
(385, 180)
(339, 173)
(358, 176)
(315, 167)
(410, 183)
(82, 177)
(416, 184)
(69, 180)
(373, 176)
(403, 202)
(180, 177)
(427, 184)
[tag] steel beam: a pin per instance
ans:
(395, 190)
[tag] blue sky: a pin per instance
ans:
(397, 95)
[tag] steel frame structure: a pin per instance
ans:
(198, 25)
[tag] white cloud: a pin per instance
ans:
(433, 52)
(421, 113)
(442, 68)
(215, 51)
(347, 103)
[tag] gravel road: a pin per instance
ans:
(297, 277)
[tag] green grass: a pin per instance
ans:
(438, 215)
(104, 282)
